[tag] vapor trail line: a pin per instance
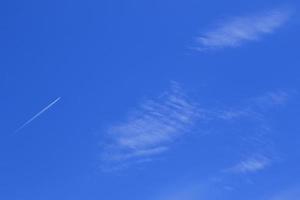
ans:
(37, 115)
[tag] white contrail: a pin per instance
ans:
(37, 115)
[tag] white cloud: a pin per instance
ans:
(252, 164)
(151, 128)
(235, 32)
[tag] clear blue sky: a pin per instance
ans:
(149, 100)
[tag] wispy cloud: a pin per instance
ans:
(252, 164)
(255, 107)
(37, 115)
(271, 99)
(151, 128)
(242, 29)
(258, 139)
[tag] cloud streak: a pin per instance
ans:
(37, 115)
(239, 30)
(252, 164)
(151, 128)
(258, 140)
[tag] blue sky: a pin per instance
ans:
(153, 100)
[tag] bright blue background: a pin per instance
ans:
(103, 58)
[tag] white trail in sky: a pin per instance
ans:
(37, 115)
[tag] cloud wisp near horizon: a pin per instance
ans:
(238, 30)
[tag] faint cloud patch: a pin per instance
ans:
(235, 32)
(188, 190)
(271, 99)
(255, 107)
(256, 150)
(258, 141)
(252, 164)
(292, 193)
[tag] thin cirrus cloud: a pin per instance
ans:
(251, 164)
(271, 99)
(239, 30)
(151, 128)
(256, 109)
